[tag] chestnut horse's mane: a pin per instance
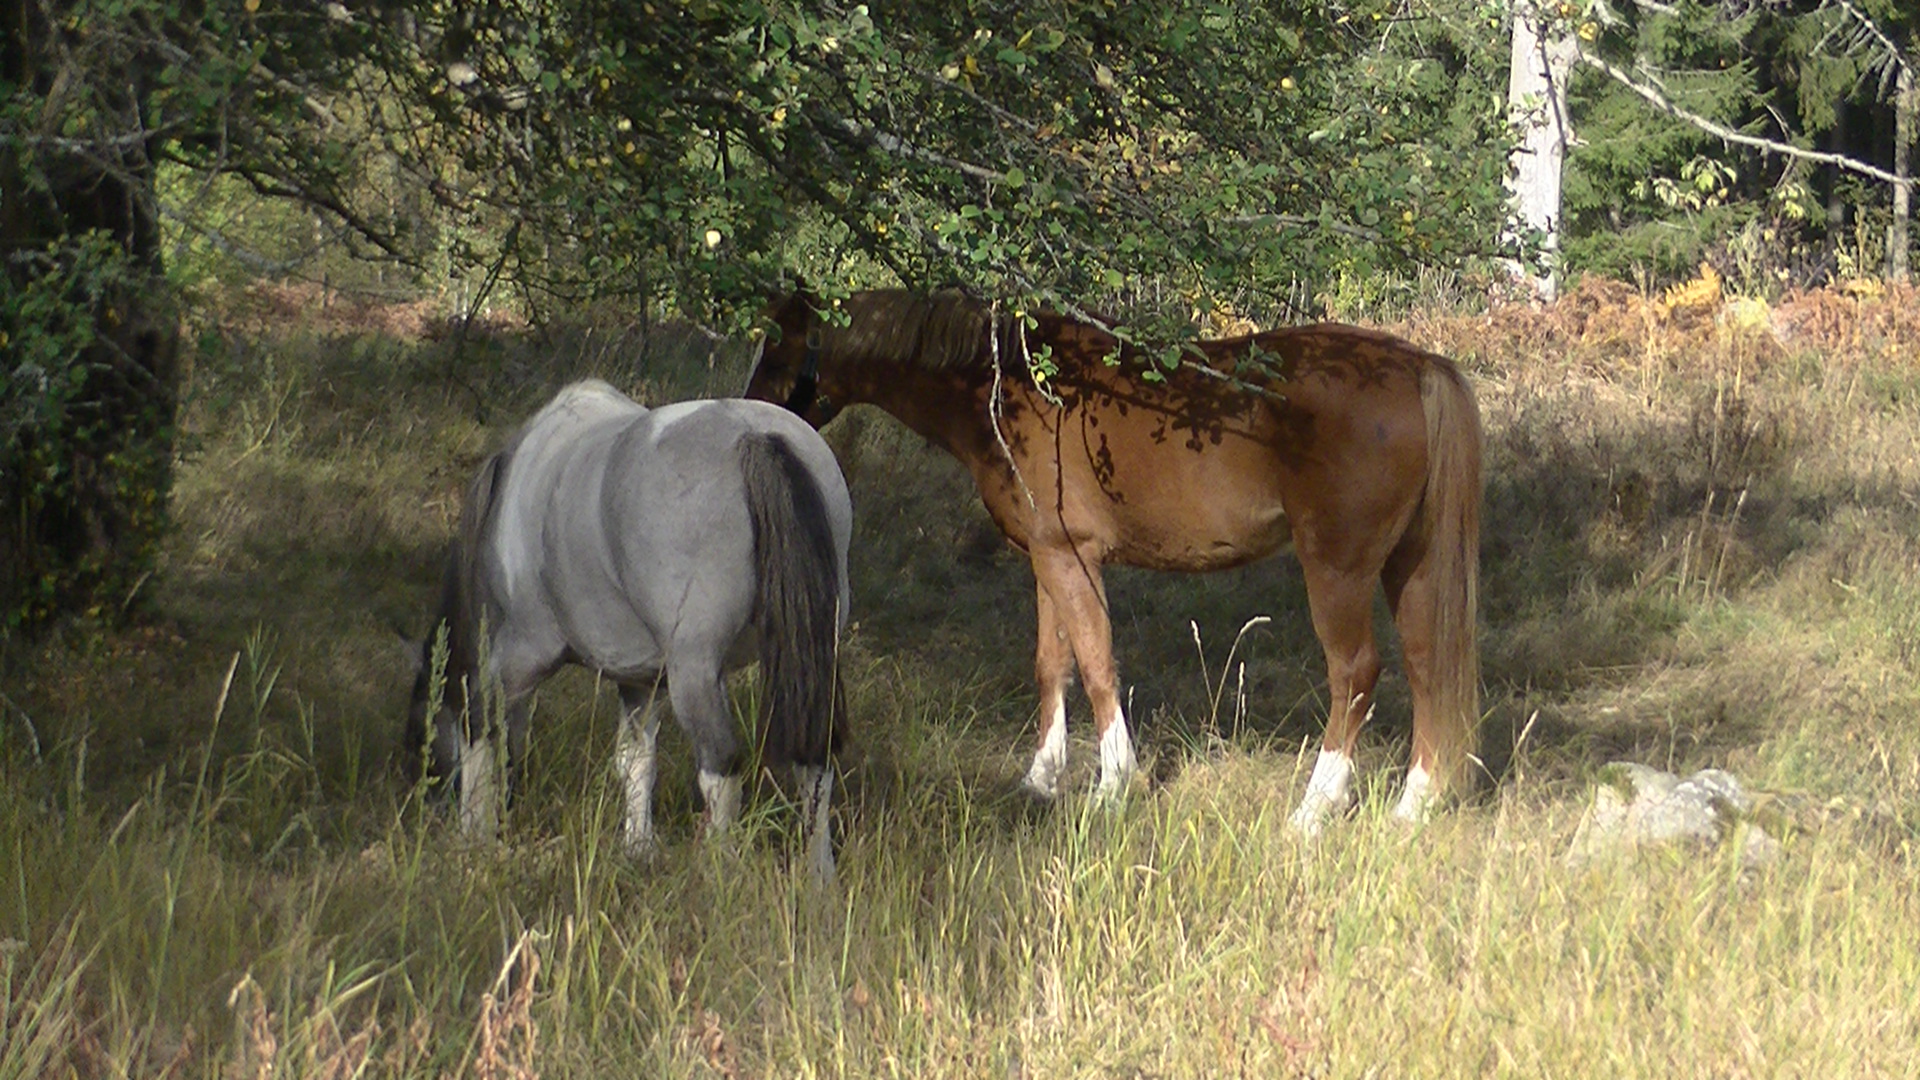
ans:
(940, 331)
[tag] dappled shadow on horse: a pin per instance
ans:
(662, 548)
(1353, 448)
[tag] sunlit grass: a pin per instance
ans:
(208, 867)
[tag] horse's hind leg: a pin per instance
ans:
(816, 796)
(700, 705)
(1053, 669)
(1342, 604)
(633, 752)
(1411, 596)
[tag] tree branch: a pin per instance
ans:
(1896, 59)
(1358, 232)
(899, 147)
(1659, 100)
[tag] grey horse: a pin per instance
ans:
(660, 547)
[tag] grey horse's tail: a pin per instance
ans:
(797, 601)
(459, 613)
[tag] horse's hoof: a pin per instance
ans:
(1044, 790)
(1310, 819)
(1112, 793)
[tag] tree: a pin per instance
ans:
(86, 411)
(1053, 152)
(1150, 160)
(1541, 60)
(1686, 103)
(94, 98)
(1906, 107)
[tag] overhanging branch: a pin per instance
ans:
(899, 147)
(1659, 100)
(1895, 59)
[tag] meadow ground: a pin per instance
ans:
(1702, 547)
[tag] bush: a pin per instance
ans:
(86, 412)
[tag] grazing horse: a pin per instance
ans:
(1352, 447)
(654, 546)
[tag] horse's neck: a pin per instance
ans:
(948, 409)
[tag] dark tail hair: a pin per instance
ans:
(1452, 524)
(459, 612)
(797, 603)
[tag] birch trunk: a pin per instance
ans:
(1906, 102)
(1543, 53)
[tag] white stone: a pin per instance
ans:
(1636, 806)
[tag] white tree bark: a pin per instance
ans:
(1542, 55)
(1906, 102)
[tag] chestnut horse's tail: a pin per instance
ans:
(1450, 515)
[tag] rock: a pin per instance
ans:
(1636, 806)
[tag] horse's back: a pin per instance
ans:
(1200, 471)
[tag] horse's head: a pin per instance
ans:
(789, 368)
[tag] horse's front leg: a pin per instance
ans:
(1053, 670)
(487, 782)
(1072, 579)
(479, 774)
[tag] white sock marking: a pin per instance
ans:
(1328, 792)
(1050, 761)
(633, 753)
(479, 788)
(1117, 763)
(1416, 802)
(722, 794)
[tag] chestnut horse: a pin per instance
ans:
(1356, 449)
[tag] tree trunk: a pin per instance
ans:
(1837, 205)
(86, 452)
(1906, 102)
(1542, 55)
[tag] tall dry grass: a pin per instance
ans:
(1702, 537)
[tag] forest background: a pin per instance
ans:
(279, 274)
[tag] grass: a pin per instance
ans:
(1701, 549)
